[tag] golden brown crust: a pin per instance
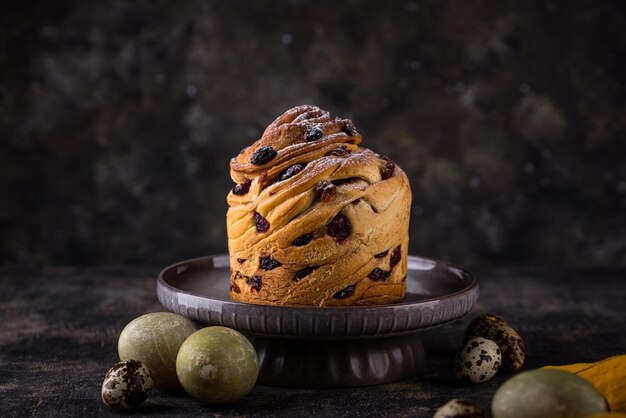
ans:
(343, 205)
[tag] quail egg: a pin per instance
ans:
(495, 328)
(478, 360)
(483, 323)
(126, 385)
(460, 408)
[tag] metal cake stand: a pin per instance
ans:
(325, 347)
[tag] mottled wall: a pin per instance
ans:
(118, 119)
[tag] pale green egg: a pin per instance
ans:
(154, 339)
(547, 393)
(217, 365)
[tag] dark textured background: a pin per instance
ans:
(117, 120)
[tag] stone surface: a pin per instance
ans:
(117, 121)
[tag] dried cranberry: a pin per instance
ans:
(314, 134)
(262, 225)
(269, 263)
(349, 128)
(339, 228)
(339, 151)
(241, 260)
(262, 179)
(381, 255)
(255, 283)
(345, 293)
(291, 171)
(242, 188)
(234, 287)
(303, 273)
(263, 155)
(396, 256)
(388, 169)
(302, 240)
(327, 190)
(378, 274)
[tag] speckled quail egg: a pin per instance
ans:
(126, 385)
(493, 327)
(478, 360)
(154, 339)
(484, 322)
(217, 365)
(460, 408)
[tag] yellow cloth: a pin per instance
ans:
(608, 376)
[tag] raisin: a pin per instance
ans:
(349, 128)
(327, 190)
(263, 155)
(396, 256)
(345, 293)
(241, 260)
(381, 255)
(303, 273)
(242, 188)
(291, 171)
(234, 287)
(388, 169)
(314, 134)
(302, 240)
(378, 274)
(262, 225)
(339, 228)
(268, 263)
(255, 283)
(357, 201)
(339, 152)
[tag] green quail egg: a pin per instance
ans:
(478, 360)
(460, 408)
(126, 385)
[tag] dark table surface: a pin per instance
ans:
(59, 330)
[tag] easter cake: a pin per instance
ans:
(314, 219)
